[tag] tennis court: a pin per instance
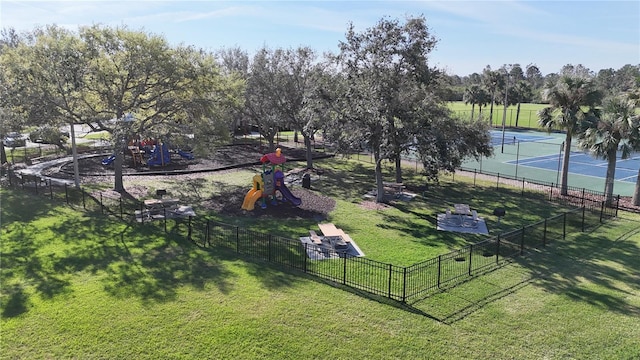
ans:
(584, 164)
(512, 137)
(538, 155)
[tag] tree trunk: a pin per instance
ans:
(636, 193)
(565, 165)
(473, 107)
(611, 173)
(309, 152)
(271, 141)
(74, 152)
(517, 114)
(493, 99)
(378, 172)
(3, 155)
(117, 165)
(398, 168)
(295, 136)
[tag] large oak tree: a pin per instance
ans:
(121, 81)
(391, 100)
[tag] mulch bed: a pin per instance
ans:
(314, 204)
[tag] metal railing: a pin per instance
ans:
(401, 283)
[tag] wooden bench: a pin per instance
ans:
(314, 237)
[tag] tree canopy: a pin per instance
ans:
(391, 100)
(100, 76)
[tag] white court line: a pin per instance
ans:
(628, 179)
(539, 159)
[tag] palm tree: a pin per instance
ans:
(567, 98)
(521, 93)
(483, 100)
(618, 129)
(472, 95)
(493, 80)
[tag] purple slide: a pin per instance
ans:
(284, 190)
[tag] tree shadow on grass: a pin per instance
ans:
(138, 261)
(22, 207)
(613, 266)
(567, 268)
(350, 181)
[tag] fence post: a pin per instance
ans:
(474, 177)
(50, 190)
(84, 204)
(522, 242)
(207, 237)
(306, 245)
(470, 256)
(101, 205)
(269, 249)
(344, 270)
(498, 250)
(404, 284)
(551, 192)
(190, 233)
(389, 282)
(237, 239)
(439, 269)
(601, 210)
(523, 185)
(498, 181)
(617, 204)
(583, 189)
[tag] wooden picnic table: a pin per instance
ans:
(160, 204)
(330, 229)
(396, 187)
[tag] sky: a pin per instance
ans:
(471, 34)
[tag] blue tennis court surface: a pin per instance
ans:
(585, 164)
(511, 137)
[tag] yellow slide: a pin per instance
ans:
(250, 199)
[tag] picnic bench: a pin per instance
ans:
(330, 229)
(157, 208)
(396, 188)
(155, 205)
(314, 237)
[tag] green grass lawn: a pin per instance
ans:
(528, 113)
(403, 234)
(81, 285)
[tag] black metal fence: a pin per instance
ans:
(405, 284)
(574, 196)
(401, 283)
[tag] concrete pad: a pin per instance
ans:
(480, 228)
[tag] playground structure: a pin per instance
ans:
(268, 182)
(157, 152)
